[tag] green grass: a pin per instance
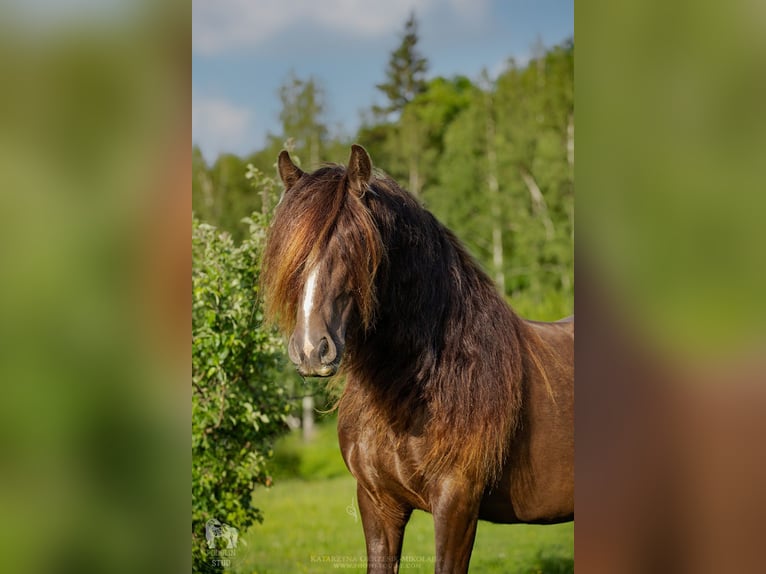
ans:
(314, 525)
(318, 459)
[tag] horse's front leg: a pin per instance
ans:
(456, 515)
(383, 524)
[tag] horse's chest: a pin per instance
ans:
(384, 463)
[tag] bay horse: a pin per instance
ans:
(453, 404)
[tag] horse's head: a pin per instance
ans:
(321, 259)
(318, 340)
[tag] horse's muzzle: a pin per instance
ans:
(321, 360)
(322, 371)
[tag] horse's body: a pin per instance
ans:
(453, 404)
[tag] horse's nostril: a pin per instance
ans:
(323, 348)
(326, 351)
(292, 351)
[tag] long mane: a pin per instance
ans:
(319, 206)
(439, 351)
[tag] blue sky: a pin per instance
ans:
(243, 50)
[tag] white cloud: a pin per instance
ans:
(222, 25)
(470, 11)
(219, 126)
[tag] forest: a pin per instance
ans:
(491, 157)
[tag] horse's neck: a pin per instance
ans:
(442, 361)
(433, 298)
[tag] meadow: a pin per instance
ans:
(312, 524)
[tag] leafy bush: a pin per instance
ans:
(239, 404)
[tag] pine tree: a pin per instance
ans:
(406, 71)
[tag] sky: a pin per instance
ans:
(243, 50)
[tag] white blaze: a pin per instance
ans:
(308, 307)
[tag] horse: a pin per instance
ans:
(452, 404)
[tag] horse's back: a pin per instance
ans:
(566, 324)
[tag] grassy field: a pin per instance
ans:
(313, 525)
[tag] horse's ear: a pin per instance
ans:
(288, 171)
(359, 169)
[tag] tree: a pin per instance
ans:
(203, 198)
(405, 80)
(493, 184)
(221, 194)
(302, 113)
(504, 180)
(463, 196)
(418, 140)
(406, 71)
(239, 404)
(535, 126)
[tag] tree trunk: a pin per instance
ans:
(207, 195)
(539, 207)
(414, 177)
(308, 418)
(411, 145)
(570, 141)
(494, 195)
